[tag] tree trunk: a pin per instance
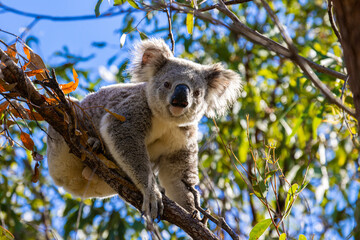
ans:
(348, 18)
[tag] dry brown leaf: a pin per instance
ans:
(37, 157)
(9, 123)
(3, 106)
(13, 95)
(26, 114)
(28, 55)
(34, 72)
(106, 161)
(71, 86)
(117, 116)
(34, 116)
(50, 100)
(4, 87)
(27, 141)
(36, 64)
(36, 175)
(11, 52)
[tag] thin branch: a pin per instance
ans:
(107, 14)
(304, 65)
(253, 36)
(332, 20)
(219, 222)
(29, 27)
(170, 30)
(260, 39)
(233, 2)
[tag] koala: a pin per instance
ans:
(162, 106)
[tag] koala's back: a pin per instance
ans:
(123, 99)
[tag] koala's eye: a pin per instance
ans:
(196, 93)
(167, 85)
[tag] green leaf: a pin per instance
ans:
(300, 120)
(99, 44)
(259, 229)
(97, 8)
(133, 4)
(290, 197)
(282, 236)
(143, 36)
(5, 234)
(315, 124)
(190, 22)
(119, 2)
(257, 191)
(302, 237)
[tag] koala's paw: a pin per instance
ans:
(152, 205)
(95, 144)
(88, 174)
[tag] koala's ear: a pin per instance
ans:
(148, 57)
(224, 87)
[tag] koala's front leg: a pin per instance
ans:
(126, 143)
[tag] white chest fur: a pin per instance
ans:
(163, 138)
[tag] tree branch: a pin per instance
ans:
(332, 20)
(255, 37)
(107, 14)
(170, 30)
(348, 16)
(173, 213)
(304, 65)
(233, 2)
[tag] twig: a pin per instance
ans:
(29, 27)
(344, 88)
(233, 2)
(79, 214)
(304, 65)
(2, 218)
(353, 135)
(219, 222)
(170, 30)
(107, 14)
(332, 21)
(254, 36)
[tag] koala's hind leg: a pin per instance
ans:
(176, 173)
(67, 170)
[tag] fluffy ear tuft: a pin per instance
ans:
(148, 57)
(224, 87)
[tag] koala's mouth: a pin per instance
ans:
(177, 111)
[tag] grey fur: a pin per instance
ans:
(157, 136)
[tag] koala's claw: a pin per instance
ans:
(195, 214)
(152, 205)
(95, 144)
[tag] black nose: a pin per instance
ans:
(180, 96)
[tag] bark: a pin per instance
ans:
(348, 18)
(173, 213)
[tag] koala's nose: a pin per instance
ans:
(180, 96)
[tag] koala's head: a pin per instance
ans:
(179, 90)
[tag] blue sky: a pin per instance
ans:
(77, 35)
